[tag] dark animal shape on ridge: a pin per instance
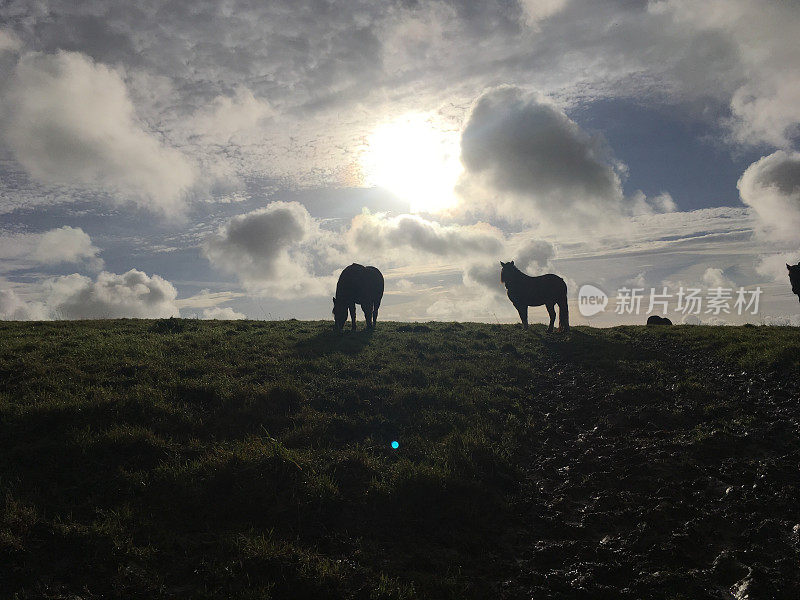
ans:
(656, 320)
(358, 285)
(524, 291)
(794, 278)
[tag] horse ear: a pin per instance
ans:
(502, 264)
(511, 263)
(788, 267)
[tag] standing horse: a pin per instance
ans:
(794, 278)
(358, 285)
(525, 291)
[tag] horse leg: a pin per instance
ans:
(523, 314)
(367, 308)
(551, 310)
(375, 308)
(352, 309)
(563, 315)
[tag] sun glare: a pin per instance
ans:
(416, 160)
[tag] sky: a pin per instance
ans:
(226, 160)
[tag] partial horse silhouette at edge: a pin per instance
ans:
(524, 291)
(794, 278)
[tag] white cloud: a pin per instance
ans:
(538, 10)
(14, 308)
(271, 250)
(766, 95)
(715, 278)
(8, 41)
(771, 186)
(63, 245)
(404, 234)
(130, 295)
(222, 314)
(240, 115)
(69, 120)
(773, 266)
(110, 296)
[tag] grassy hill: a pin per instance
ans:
(197, 459)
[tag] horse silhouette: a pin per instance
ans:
(794, 278)
(656, 320)
(357, 285)
(524, 291)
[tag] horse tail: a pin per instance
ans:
(563, 314)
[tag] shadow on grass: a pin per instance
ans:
(328, 341)
(595, 350)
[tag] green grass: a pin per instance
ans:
(251, 459)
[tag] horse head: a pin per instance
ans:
(339, 314)
(507, 269)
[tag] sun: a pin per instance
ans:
(416, 159)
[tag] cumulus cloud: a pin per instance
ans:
(111, 296)
(527, 161)
(69, 120)
(535, 256)
(376, 233)
(14, 308)
(771, 186)
(715, 278)
(222, 314)
(765, 94)
(63, 245)
(271, 250)
(773, 266)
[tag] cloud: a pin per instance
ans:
(765, 94)
(271, 250)
(69, 121)
(538, 10)
(773, 266)
(404, 234)
(63, 245)
(527, 161)
(130, 295)
(535, 256)
(771, 186)
(13, 308)
(715, 278)
(229, 116)
(222, 314)
(8, 41)
(133, 295)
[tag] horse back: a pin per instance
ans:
(535, 291)
(360, 285)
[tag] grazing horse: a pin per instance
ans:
(794, 278)
(524, 291)
(358, 285)
(656, 320)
